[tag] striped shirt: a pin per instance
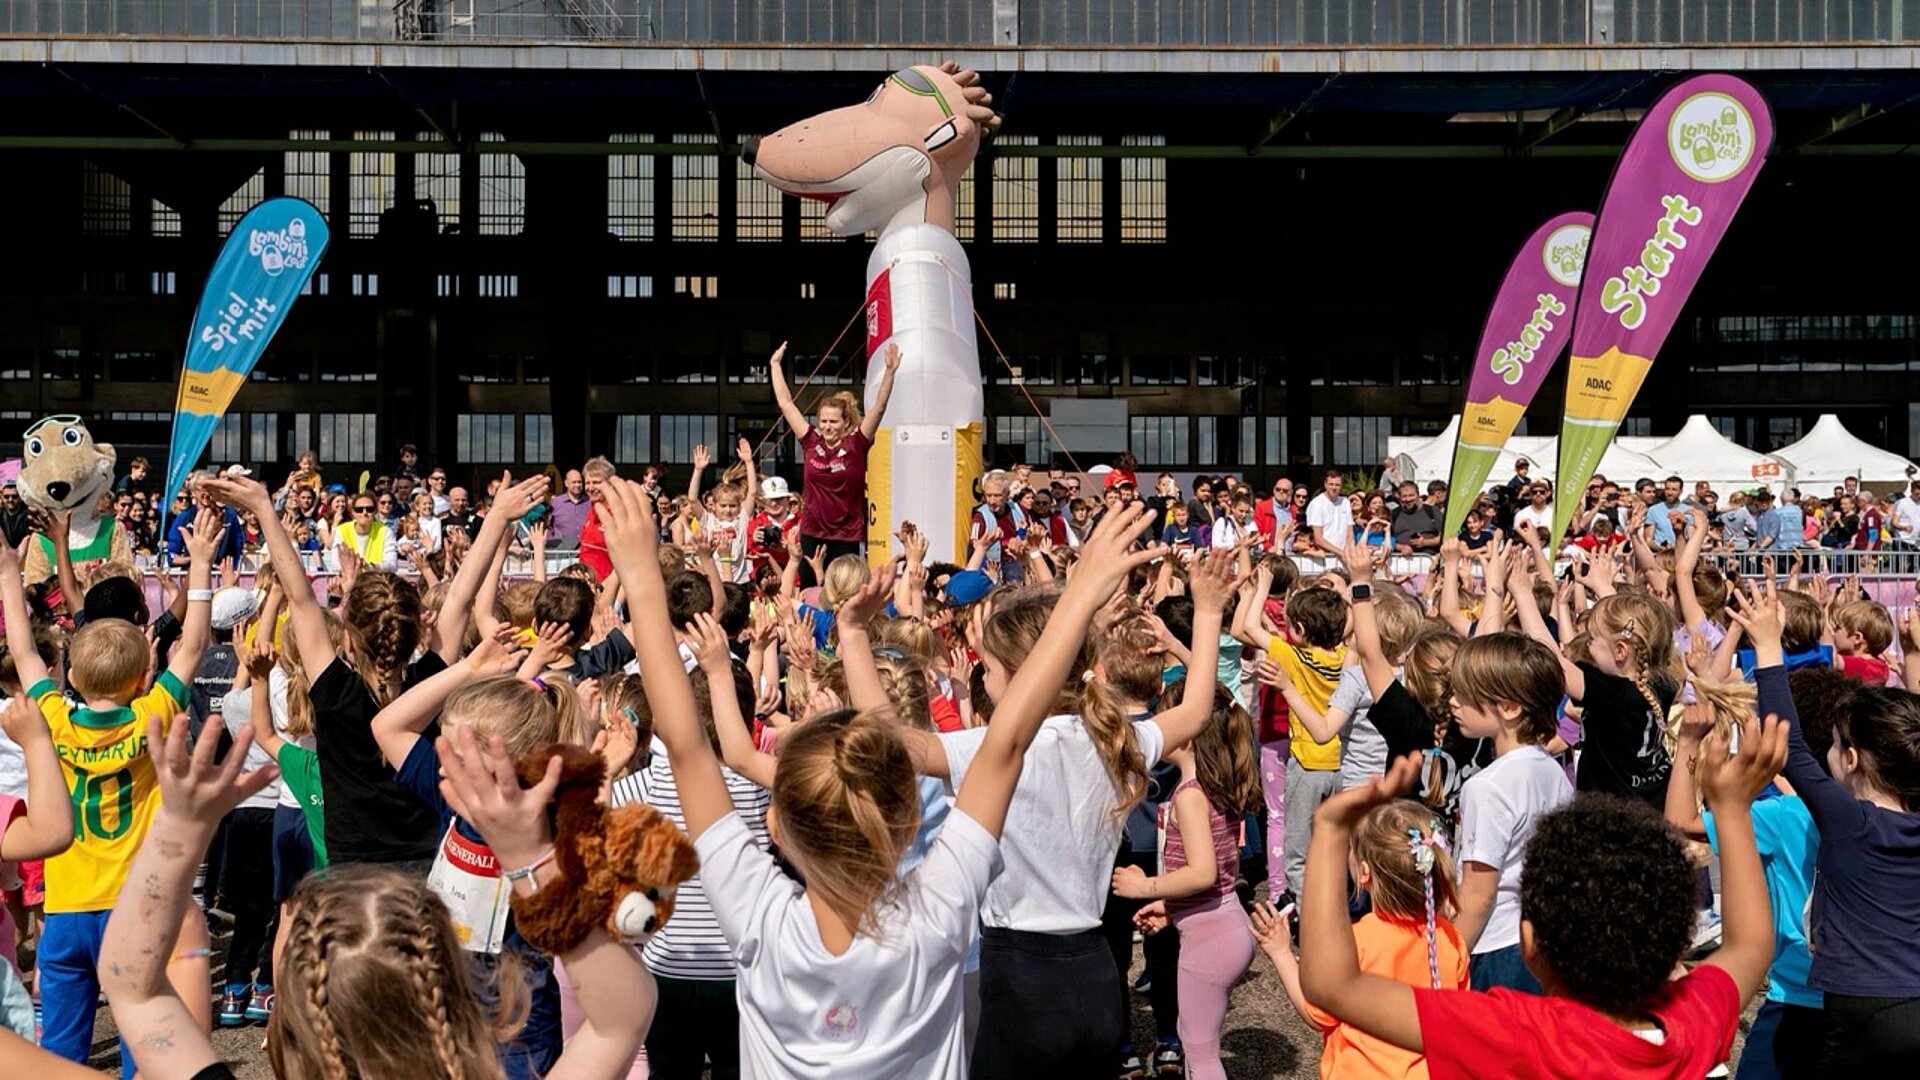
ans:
(690, 945)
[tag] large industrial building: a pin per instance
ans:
(1270, 227)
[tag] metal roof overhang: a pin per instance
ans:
(246, 96)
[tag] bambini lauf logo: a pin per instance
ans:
(283, 250)
(1565, 254)
(1711, 137)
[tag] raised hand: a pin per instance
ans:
(713, 652)
(1737, 779)
(499, 653)
(701, 458)
(1344, 810)
(193, 786)
(860, 608)
(481, 787)
(891, 358)
(204, 535)
(1210, 581)
(239, 492)
(513, 501)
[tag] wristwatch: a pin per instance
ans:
(1362, 591)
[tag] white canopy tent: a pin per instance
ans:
(1829, 453)
(1433, 457)
(1701, 452)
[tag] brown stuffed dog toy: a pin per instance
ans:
(619, 868)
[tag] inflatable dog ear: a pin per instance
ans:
(62, 468)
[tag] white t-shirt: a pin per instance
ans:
(13, 762)
(1498, 808)
(1334, 519)
(1528, 517)
(690, 945)
(236, 708)
(1061, 829)
(891, 1005)
(729, 546)
(1906, 520)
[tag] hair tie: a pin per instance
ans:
(890, 653)
(539, 684)
(632, 717)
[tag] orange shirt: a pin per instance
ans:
(1398, 951)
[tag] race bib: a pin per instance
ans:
(466, 877)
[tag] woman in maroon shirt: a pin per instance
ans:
(833, 511)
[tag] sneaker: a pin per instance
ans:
(233, 1007)
(1130, 1066)
(1142, 984)
(260, 1004)
(1168, 1059)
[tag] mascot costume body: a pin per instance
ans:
(63, 470)
(893, 165)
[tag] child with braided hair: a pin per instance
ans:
(1401, 857)
(372, 960)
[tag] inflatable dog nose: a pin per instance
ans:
(749, 149)
(58, 490)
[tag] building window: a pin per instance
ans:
(1227, 370)
(1078, 205)
(446, 285)
(141, 365)
(263, 434)
(299, 437)
(696, 191)
(503, 190)
(245, 198)
(372, 176)
(436, 177)
(163, 282)
(813, 221)
(963, 208)
(106, 203)
(692, 369)
(1091, 369)
(316, 285)
(366, 284)
(756, 205)
(1022, 439)
(537, 438)
(630, 192)
(498, 286)
(482, 438)
(16, 364)
(1159, 440)
(1016, 192)
(1637, 425)
(633, 440)
(629, 287)
(1351, 440)
(1143, 193)
(224, 447)
(309, 173)
(680, 434)
(1276, 439)
(163, 220)
(1781, 430)
(1006, 290)
(348, 438)
(699, 288)
(808, 291)
(1159, 371)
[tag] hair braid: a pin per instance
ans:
(430, 983)
(310, 950)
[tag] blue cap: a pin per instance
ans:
(336, 489)
(968, 586)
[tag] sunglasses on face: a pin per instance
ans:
(363, 509)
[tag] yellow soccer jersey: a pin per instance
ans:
(115, 792)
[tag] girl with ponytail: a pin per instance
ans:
(858, 971)
(1401, 858)
(1046, 972)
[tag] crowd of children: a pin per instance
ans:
(936, 804)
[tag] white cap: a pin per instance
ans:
(232, 606)
(775, 487)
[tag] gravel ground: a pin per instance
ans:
(1263, 1036)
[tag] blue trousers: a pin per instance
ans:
(1501, 967)
(69, 961)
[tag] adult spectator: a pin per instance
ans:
(136, 478)
(1046, 516)
(460, 516)
(570, 508)
(1769, 530)
(364, 534)
(833, 511)
(1538, 513)
(1270, 512)
(431, 535)
(1000, 516)
(1330, 516)
(593, 539)
(1736, 523)
(1416, 524)
(437, 487)
(1661, 515)
(16, 521)
(1906, 519)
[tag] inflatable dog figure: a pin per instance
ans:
(893, 165)
(63, 470)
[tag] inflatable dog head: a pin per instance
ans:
(61, 467)
(894, 159)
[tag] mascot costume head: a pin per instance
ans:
(62, 470)
(892, 165)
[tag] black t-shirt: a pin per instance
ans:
(465, 520)
(1623, 749)
(370, 818)
(1407, 727)
(1414, 520)
(219, 1070)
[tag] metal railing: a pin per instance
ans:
(981, 23)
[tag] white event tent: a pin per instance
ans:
(1829, 453)
(1701, 452)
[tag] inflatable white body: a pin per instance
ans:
(893, 164)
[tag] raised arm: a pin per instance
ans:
(46, 829)
(1375, 664)
(1683, 566)
(72, 597)
(745, 450)
(306, 620)
(1452, 565)
(736, 741)
(700, 461)
(478, 579)
(167, 1040)
(870, 426)
(1731, 783)
(397, 727)
(1190, 815)
(202, 541)
(1209, 580)
(1834, 809)
(13, 600)
(633, 543)
(783, 396)
(1535, 627)
(856, 649)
